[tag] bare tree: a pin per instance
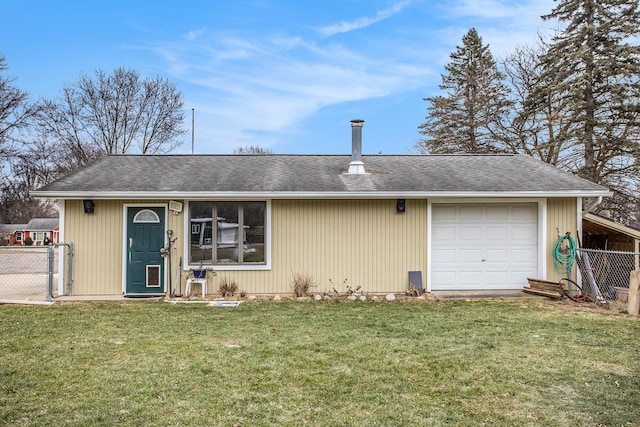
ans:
(15, 114)
(252, 149)
(536, 125)
(114, 114)
(30, 169)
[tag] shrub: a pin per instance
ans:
(28, 241)
(228, 287)
(301, 283)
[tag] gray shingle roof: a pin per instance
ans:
(42, 224)
(134, 176)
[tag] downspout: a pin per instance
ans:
(592, 205)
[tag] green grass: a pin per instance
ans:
(468, 363)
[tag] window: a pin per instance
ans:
(236, 237)
(38, 236)
(18, 236)
(146, 216)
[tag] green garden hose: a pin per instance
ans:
(564, 256)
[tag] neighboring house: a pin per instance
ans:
(41, 231)
(11, 234)
(466, 222)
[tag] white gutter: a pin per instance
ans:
(235, 195)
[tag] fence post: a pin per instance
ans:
(634, 293)
(50, 258)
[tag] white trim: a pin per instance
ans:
(542, 227)
(542, 239)
(579, 217)
(61, 248)
(429, 235)
(125, 224)
(146, 282)
(579, 236)
(262, 195)
(234, 267)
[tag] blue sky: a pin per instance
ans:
(283, 74)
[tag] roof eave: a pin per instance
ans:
(604, 222)
(145, 195)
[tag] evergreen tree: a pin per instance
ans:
(466, 119)
(594, 63)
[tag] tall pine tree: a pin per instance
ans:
(594, 63)
(466, 118)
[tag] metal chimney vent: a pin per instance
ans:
(356, 166)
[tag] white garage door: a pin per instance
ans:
(483, 246)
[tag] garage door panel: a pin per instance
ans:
(495, 279)
(444, 234)
(470, 234)
(496, 213)
(444, 213)
(520, 277)
(469, 255)
(524, 214)
(496, 255)
(523, 233)
(469, 213)
(527, 255)
(444, 276)
(492, 233)
(468, 278)
(483, 246)
(442, 256)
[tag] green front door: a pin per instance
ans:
(145, 238)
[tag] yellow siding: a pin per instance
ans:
(561, 218)
(97, 247)
(364, 242)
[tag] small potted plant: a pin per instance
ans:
(200, 272)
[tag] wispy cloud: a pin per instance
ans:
(249, 86)
(346, 26)
(272, 85)
(503, 24)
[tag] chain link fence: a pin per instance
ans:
(604, 275)
(32, 273)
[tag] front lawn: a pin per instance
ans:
(466, 363)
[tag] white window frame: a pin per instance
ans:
(137, 219)
(231, 267)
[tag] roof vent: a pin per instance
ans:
(356, 166)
